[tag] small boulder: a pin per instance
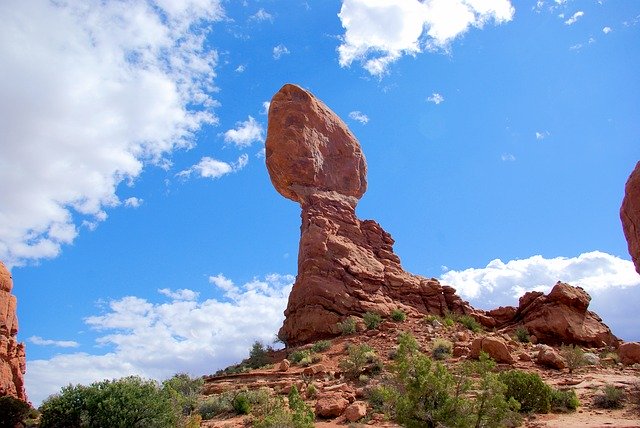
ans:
(629, 353)
(591, 359)
(331, 405)
(494, 346)
(549, 357)
(284, 365)
(356, 411)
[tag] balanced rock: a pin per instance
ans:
(12, 355)
(346, 267)
(630, 215)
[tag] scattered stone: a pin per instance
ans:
(331, 405)
(524, 356)
(591, 359)
(356, 411)
(549, 357)
(629, 353)
(284, 365)
(494, 346)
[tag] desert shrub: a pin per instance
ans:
(348, 326)
(312, 391)
(448, 321)
(528, 389)
(398, 315)
(241, 404)
(127, 402)
(257, 356)
(274, 414)
(610, 397)
(372, 320)
(359, 358)
(574, 357)
(522, 335)
(470, 322)
(564, 401)
(216, 405)
(296, 356)
(441, 349)
(12, 411)
(183, 391)
(321, 346)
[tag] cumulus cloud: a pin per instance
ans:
(91, 93)
(435, 98)
(265, 107)
(359, 117)
(261, 15)
(181, 294)
(379, 32)
(240, 69)
(610, 280)
(245, 133)
(574, 18)
(37, 340)
(133, 202)
(607, 30)
(156, 340)
(213, 168)
(279, 51)
(507, 157)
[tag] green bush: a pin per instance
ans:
(564, 401)
(241, 404)
(522, 334)
(470, 322)
(12, 411)
(528, 389)
(296, 356)
(441, 349)
(574, 357)
(216, 405)
(258, 356)
(273, 414)
(321, 346)
(360, 357)
(183, 391)
(611, 397)
(127, 402)
(348, 326)
(398, 315)
(372, 320)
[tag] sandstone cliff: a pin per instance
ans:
(12, 356)
(630, 215)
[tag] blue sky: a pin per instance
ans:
(137, 216)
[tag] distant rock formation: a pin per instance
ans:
(630, 215)
(345, 266)
(560, 317)
(12, 356)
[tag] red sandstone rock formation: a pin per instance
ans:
(345, 266)
(12, 356)
(630, 215)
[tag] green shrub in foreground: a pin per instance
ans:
(610, 397)
(441, 349)
(12, 411)
(348, 326)
(528, 389)
(372, 320)
(398, 315)
(273, 413)
(564, 401)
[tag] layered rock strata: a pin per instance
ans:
(630, 215)
(12, 355)
(345, 266)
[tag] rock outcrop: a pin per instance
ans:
(346, 266)
(560, 317)
(12, 356)
(630, 215)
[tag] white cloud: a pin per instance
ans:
(157, 340)
(607, 30)
(609, 280)
(379, 32)
(133, 202)
(37, 340)
(91, 93)
(576, 47)
(265, 107)
(435, 98)
(279, 51)
(507, 157)
(213, 168)
(240, 69)
(359, 117)
(574, 18)
(181, 294)
(245, 133)
(262, 15)
(541, 135)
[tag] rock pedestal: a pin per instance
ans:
(12, 355)
(630, 215)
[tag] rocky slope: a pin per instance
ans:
(347, 266)
(12, 356)
(630, 215)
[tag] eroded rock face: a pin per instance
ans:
(346, 266)
(630, 215)
(12, 355)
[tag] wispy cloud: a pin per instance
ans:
(181, 294)
(133, 202)
(245, 133)
(359, 117)
(435, 98)
(574, 18)
(279, 51)
(541, 135)
(240, 69)
(213, 168)
(607, 30)
(265, 107)
(261, 15)
(106, 64)
(157, 340)
(507, 157)
(37, 340)
(379, 33)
